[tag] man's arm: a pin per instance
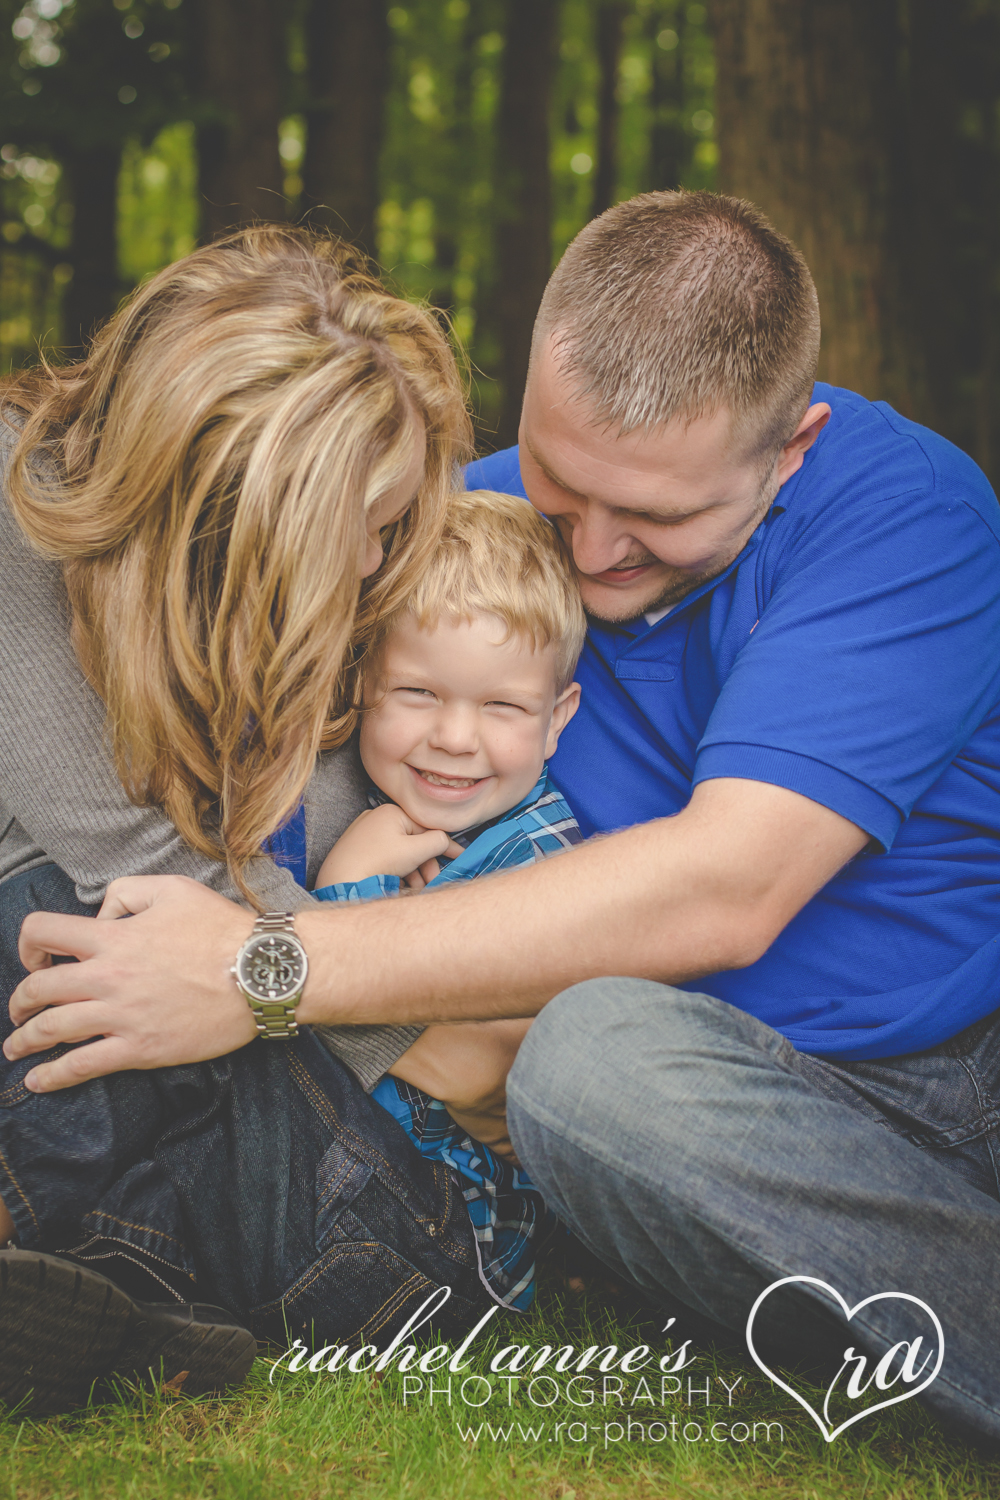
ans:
(709, 889)
(706, 890)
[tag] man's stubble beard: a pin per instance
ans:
(681, 584)
(665, 598)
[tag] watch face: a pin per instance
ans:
(272, 967)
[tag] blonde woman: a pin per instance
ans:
(188, 517)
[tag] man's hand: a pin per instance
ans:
(386, 841)
(672, 900)
(466, 1067)
(127, 990)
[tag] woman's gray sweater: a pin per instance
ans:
(61, 801)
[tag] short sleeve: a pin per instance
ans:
(875, 657)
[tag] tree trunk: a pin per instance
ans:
(524, 192)
(348, 44)
(952, 255)
(807, 103)
(239, 47)
(928, 260)
(92, 294)
(610, 22)
(986, 433)
(669, 144)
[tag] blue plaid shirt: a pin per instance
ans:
(507, 1211)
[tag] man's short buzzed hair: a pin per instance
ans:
(678, 304)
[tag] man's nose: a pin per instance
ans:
(455, 730)
(599, 543)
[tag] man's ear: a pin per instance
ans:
(566, 706)
(798, 445)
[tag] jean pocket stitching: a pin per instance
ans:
(389, 1307)
(19, 1190)
(322, 1265)
(313, 1093)
(946, 1137)
(959, 1135)
(372, 1158)
(335, 1184)
(402, 1190)
(99, 1214)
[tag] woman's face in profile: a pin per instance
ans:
(394, 504)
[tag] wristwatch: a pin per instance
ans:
(270, 973)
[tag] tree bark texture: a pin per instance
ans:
(240, 49)
(93, 293)
(610, 24)
(669, 143)
(952, 123)
(348, 47)
(524, 192)
(810, 128)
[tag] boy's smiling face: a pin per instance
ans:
(460, 721)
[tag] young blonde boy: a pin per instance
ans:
(466, 690)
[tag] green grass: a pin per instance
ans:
(310, 1436)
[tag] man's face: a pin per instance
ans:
(649, 517)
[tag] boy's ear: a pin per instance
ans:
(566, 706)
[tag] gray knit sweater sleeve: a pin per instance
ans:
(61, 801)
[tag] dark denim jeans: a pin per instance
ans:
(698, 1154)
(265, 1181)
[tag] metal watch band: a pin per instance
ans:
(275, 921)
(275, 1019)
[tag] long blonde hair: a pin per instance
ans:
(203, 476)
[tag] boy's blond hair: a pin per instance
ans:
(497, 556)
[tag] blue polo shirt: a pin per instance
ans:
(851, 653)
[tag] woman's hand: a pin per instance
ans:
(466, 1067)
(386, 841)
(126, 991)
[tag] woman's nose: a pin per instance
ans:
(372, 560)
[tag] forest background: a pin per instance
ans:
(462, 143)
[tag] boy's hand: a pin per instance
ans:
(466, 1067)
(386, 841)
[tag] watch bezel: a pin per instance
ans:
(287, 996)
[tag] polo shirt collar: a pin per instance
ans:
(640, 628)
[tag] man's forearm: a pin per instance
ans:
(502, 946)
(707, 890)
(672, 900)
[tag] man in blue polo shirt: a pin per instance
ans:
(848, 652)
(787, 1106)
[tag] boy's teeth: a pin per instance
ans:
(453, 781)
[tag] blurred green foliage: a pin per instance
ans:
(157, 203)
(119, 71)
